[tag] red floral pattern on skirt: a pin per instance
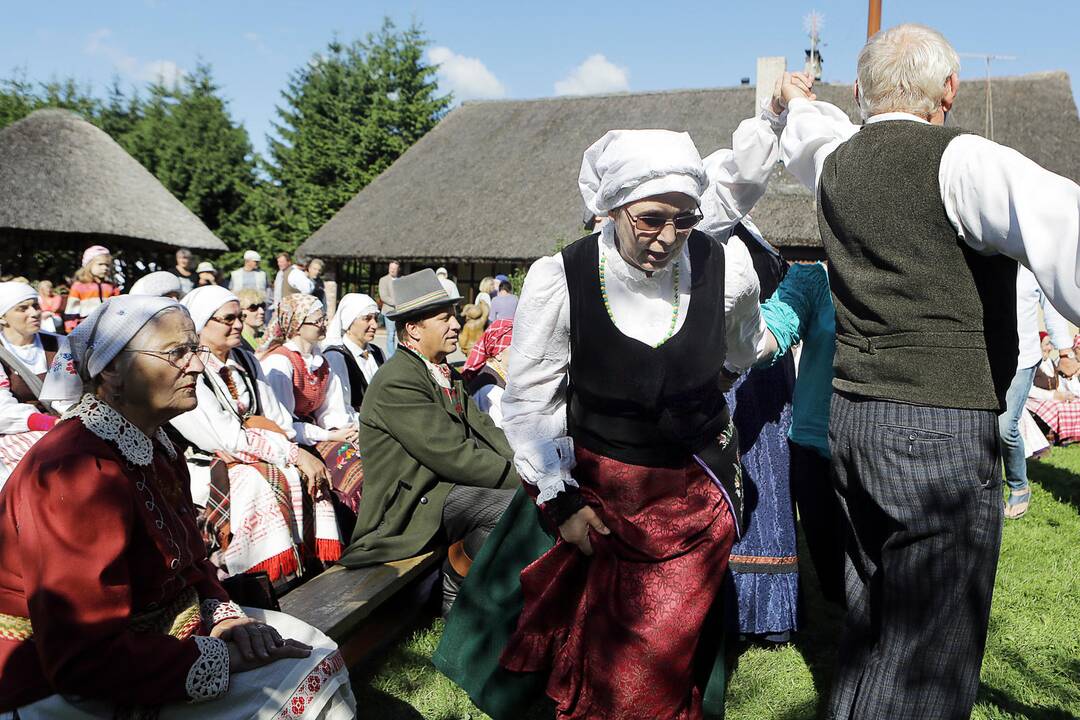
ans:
(618, 631)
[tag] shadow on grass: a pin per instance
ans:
(375, 703)
(1063, 484)
(1055, 687)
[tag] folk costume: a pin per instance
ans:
(313, 396)
(85, 296)
(112, 618)
(918, 293)
(256, 513)
(354, 366)
(24, 418)
(614, 402)
(764, 562)
(484, 375)
(438, 470)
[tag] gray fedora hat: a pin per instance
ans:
(418, 293)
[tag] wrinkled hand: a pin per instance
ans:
(347, 434)
(315, 473)
(576, 529)
(789, 86)
(253, 644)
(1068, 366)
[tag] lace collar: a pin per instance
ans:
(101, 419)
(626, 273)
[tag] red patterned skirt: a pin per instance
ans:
(1063, 418)
(618, 631)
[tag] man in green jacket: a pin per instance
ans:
(436, 469)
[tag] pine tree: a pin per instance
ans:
(347, 115)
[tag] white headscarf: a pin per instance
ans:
(13, 293)
(352, 306)
(628, 165)
(156, 283)
(99, 338)
(203, 302)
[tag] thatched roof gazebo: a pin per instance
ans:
(65, 184)
(496, 182)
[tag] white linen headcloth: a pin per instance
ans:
(13, 293)
(352, 306)
(628, 165)
(203, 302)
(156, 283)
(98, 339)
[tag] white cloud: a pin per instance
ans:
(257, 42)
(164, 71)
(596, 75)
(467, 77)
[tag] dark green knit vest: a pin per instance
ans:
(921, 318)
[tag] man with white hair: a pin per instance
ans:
(922, 225)
(250, 277)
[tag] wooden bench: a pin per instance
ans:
(365, 609)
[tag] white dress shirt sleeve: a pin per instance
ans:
(339, 370)
(744, 326)
(814, 129)
(279, 379)
(1056, 325)
(335, 412)
(300, 281)
(740, 174)
(534, 403)
(1000, 201)
(13, 414)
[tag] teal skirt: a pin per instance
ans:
(486, 612)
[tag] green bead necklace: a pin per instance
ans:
(674, 299)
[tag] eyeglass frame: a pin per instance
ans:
(194, 350)
(254, 307)
(225, 321)
(667, 221)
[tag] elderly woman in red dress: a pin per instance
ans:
(109, 606)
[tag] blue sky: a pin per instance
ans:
(492, 49)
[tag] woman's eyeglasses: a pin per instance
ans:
(321, 322)
(229, 319)
(179, 357)
(255, 308)
(655, 224)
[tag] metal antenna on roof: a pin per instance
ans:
(989, 90)
(812, 23)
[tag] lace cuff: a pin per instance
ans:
(776, 122)
(208, 678)
(214, 611)
(547, 465)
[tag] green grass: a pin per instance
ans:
(1031, 670)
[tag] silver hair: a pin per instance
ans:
(904, 69)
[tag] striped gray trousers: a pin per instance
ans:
(921, 492)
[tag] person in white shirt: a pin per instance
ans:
(623, 344)
(349, 348)
(255, 512)
(249, 277)
(922, 224)
(444, 280)
(300, 377)
(1029, 298)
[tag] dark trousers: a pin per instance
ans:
(920, 488)
(821, 517)
(469, 515)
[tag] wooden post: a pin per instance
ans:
(873, 21)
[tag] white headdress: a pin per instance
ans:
(352, 306)
(204, 301)
(628, 165)
(156, 283)
(13, 293)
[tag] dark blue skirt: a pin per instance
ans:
(764, 595)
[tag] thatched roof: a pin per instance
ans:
(498, 180)
(59, 174)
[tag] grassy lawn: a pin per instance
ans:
(1031, 669)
